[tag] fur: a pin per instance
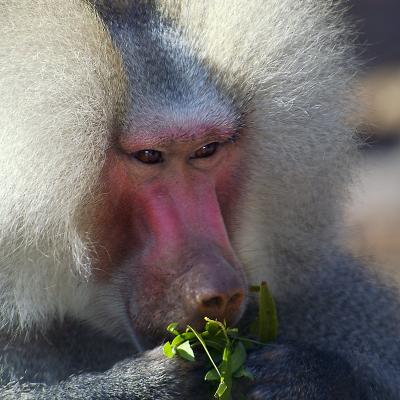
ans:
(59, 59)
(63, 55)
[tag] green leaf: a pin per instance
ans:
(239, 373)
(212, 375)
(222, 387)
(242, 372)
(185, 351)
(177, 341)
(267, 316)
(226, 372)
(247, 374)
(220, 324)
(238, 357)
(215, 354)
(232, 332)
(226, 354)
(212, 327)
(203, 343)
(168, 350)
(216, 343)
(188, 335)
(172, 328)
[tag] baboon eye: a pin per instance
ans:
(148, 156)
(206, 150)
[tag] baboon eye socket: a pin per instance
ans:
(206, 150)
(148, 156)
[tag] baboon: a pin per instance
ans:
(157, 158)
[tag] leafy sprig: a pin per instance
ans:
(225, 349)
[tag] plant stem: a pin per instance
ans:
(226, 371)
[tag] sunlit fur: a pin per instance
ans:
(61, 84)
(61, 88)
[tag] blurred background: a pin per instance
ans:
(379, 30)
(372, 214)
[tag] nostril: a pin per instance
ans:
(235, 300)
(221, 303)
(213, 302)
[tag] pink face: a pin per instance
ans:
(163, 227)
